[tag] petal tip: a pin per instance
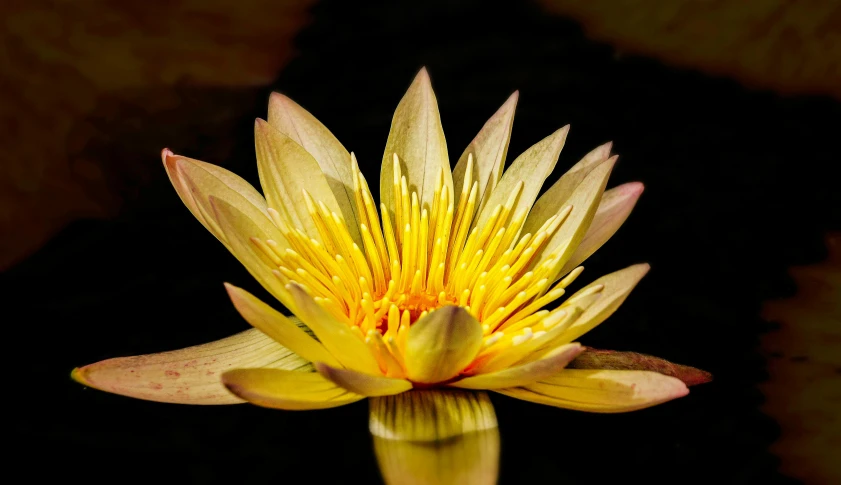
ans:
(78, 375)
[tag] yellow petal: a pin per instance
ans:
(191, 375)
(523, 374)
(489, 149)
(441, 344)
(238, 231)
(584, 201)
(531, 168)
(304, 129)
(418, 140)
(617, 287)
(430, 415)
(602, 391)
(292, 391)
(471, 459)
(559, 193)
(286, 170)
(282, 329)
(364, 384)
(614, 208)
(336, 336)
(195, 181)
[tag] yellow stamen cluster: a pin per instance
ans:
(418, 260)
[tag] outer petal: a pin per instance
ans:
(364, 384)
(286, 171)
(584, 201)
(292, 391)
(617, 287)
(442, 344)
(602, 391)
(555, 198)
(489, 149)
(531, 168)
(196, 181)
(239, 231)
(278, 327)
(304, 129)
(430, 415)
(191, 375)
(615, 360)
(524, 374)
(472, 459)
(614, 208)
(418, 140)
(337, 337)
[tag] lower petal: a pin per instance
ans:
(601, 391)
(524, 374)
(292, 391)
(191, 375)
(430, 415)
(364, 384)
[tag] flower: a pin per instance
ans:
(447, 286)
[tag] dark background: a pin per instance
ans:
(739, 186)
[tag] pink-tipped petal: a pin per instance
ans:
(592, 358)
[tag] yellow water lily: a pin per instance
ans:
(452, 283)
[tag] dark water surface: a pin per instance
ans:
(738, 187)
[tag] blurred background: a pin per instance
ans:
(727, 111)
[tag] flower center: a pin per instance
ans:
(413, 260)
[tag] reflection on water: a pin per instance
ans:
(469, 459)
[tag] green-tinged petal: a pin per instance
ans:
(364, 384)
(531, 169)
(523, 374)
(584, 201)
(489, 150)
(418, 140)
(239, 231)
(196, 181)
(430, 415)
(286, 170)
(557, 195)
(614, 208)
(292, 391)
(441, 344)
(617, 287)
(191, 375)
(601, 391)
(282, 329)
(471, 459)
(336, 336)
(304, 129)
(615, 360)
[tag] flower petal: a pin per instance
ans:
(364, 384)
(612, 359)
(556, 196)
(239, 230)
(292, 391)
(418, 140)
(336, 336)
(614, 208)
(469, 459)
(489, 149)
(191, 375)
(531, 168)
(282, 329)
(617, 287)
(195, 181)
(441, 344)
(304, 129)
(430, 415)
(601, 391)
(524, 374)
(286, 170)
(584, 201)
